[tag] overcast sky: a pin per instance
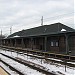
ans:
(25, 14)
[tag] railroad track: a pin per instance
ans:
(12, 68)
(29, 64)
(43, 57)
(35, 57)
(45, 54)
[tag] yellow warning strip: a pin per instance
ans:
(3, 72)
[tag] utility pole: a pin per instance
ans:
(1, 32)
(42, 21)
(10, 30)
(1, 37)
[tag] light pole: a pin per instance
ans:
(67, 47)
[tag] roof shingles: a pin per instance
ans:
(42, 30)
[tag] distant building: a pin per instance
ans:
(54, 38)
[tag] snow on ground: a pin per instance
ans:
(48, 65)
(7, 69)
(22, 68)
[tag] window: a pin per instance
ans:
(55, 43)
(52, 44)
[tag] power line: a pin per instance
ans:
(45, 19)
(54, 17)
(60, 15)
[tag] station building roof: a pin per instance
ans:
(55, 28)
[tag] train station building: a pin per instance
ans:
(54, 38)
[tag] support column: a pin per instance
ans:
(5, 43)
(22, 43)
(1, 42)
(32, 43)
(67, 45)
(15, 43)
(10, 42)
(67, 50)
(45, 43)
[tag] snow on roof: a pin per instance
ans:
(16, 36)
(63, 30)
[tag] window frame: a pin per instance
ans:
(54, 43)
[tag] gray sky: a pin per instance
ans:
(25, 14)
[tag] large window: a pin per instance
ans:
(54, 43)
